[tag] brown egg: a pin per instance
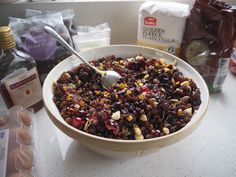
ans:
(3, 121)
(20, 158)
(25, 118)
(15, 175)
(12, 137)
(23, 136)
(11, 161)
(25, 158)
(18, 174)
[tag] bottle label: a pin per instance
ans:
(197, 52)
(221, 73)
(24, 89)
(4, 137)
(39, 44)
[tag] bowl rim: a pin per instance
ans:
(189, 125)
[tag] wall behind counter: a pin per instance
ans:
(121, 15)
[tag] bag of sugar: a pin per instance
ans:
(161, 25)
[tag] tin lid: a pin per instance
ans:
(6, 38)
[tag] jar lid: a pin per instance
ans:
(4, 29)
(6, 38)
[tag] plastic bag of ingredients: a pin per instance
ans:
(208, 41)
(89, 37)
(67, 16)
(161, 25)
(42, 47)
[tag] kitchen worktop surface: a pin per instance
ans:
(210, 151)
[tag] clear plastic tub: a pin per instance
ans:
(18, 143)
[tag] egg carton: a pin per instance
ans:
(18, 143)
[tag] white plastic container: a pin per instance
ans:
(91, 37)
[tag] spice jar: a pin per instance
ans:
(20, 83)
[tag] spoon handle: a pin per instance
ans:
(68, 47)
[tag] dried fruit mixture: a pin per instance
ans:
(152, 98)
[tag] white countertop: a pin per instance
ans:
(210, 151)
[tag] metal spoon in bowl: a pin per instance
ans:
(108, 77)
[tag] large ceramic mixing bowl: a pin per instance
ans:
(122, 148)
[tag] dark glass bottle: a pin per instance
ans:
(20, 83)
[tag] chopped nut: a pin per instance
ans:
(139, 137)
(105, 93)
(116, 115)
(185, 83)
(166, 69)
(77, 106)
(71, 85)
(174, 100)
(185, 98)
(97, 92)
(157, 65)
(139, 57)
(163, 90)
(179, 112)
(143, 118)
(121, 61)
(162, 61)
(146, 76)
(54, 83)
(137, 130)
(166, 131)
(144, 72)
(69, 97)
(65, 88)
(79, 91)
(187, 119)
(87, 124)
(140, 84)
(67, 75)
(78, 81)
(173, 81)
(125, 132)
(101, 67)
(155, 81)
(128, 92)
(188, 111)
(142, 96)
(130, 59)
